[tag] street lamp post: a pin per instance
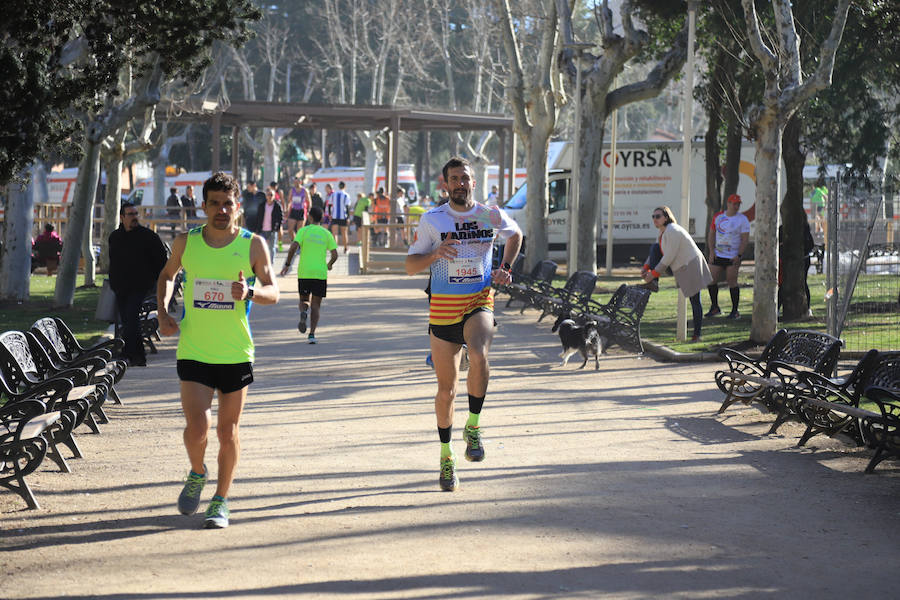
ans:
(574, 192)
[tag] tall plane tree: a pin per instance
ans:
(534, 91)
(785, 90)
(137, 35)
(600, 98)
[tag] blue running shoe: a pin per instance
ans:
(217, 514)
(428, 361)
(189, 499)
(312, 339)
(474, 447)
(448, 479)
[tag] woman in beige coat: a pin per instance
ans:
(678, 252)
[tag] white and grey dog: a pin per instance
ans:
(584, 338)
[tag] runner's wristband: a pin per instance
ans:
(506, 267)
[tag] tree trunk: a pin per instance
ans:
(270, 143)
(480, 172)
(536, 197)
(794, 222)
(80, 214)
(765, 275)
(734, 138)
(15, 260)
(713, 167)
(87, 243)
(112, 164)
(594, 118)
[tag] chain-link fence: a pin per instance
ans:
(862, 264)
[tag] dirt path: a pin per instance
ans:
(621, 483)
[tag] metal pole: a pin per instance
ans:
(501, 168)
(612, 193)
(688, 95)
(576, 172)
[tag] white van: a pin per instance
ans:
(648, 174)
(354, 179)
(142, 194)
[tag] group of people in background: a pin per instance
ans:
(677, 252)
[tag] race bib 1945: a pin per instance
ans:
(213, 294)
(465, 270)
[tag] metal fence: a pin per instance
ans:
(862, 263)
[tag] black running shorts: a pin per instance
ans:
(316, 287)
(454, 333)
(723, 262)
(339, 222)
(225, 378)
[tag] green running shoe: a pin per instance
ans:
(189, 499)
(217, 514)
(448, 479)
(474, 447)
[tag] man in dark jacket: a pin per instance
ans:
(136, 257)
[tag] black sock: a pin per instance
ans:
(735, 298)
(713, 295)
(445, 434)
(475, 404)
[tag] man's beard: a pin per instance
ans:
(459, 198)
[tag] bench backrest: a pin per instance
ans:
(633, 301)
(544, 271)
(16, 344)
(881, 369)
(814, 350)
(48, 328)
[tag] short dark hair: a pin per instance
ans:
(222, 182)
(315, 214)
(456, 161)
(251, 182)
(273, 184)
(341, 184)
(173, 190)
(48, 227)
(125, 206)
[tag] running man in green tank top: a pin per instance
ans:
(225, 268)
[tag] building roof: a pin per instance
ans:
(342, 116)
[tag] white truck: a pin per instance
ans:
(648, 174)
(355, 180)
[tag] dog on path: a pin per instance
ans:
(584, 338)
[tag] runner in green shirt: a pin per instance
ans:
(314, 243)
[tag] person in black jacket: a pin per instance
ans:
(136, 257)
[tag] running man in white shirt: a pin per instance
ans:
(455, 241)
(726, 241)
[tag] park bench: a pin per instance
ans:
(832, 405)
(528, 286)
(23, 444)
(50, 334)
(24, 364)
(772, 378)
(572, 298)
(619, 320)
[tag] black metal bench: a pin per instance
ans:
(23, 444)
(619, 320)
(62, 351)
(528, 286)
(772, 378)
(24, 365)
(832, 405)
(572, 298)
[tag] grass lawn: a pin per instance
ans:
(862, 332)
(79, 318)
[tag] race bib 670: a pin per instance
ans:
(213, 294)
